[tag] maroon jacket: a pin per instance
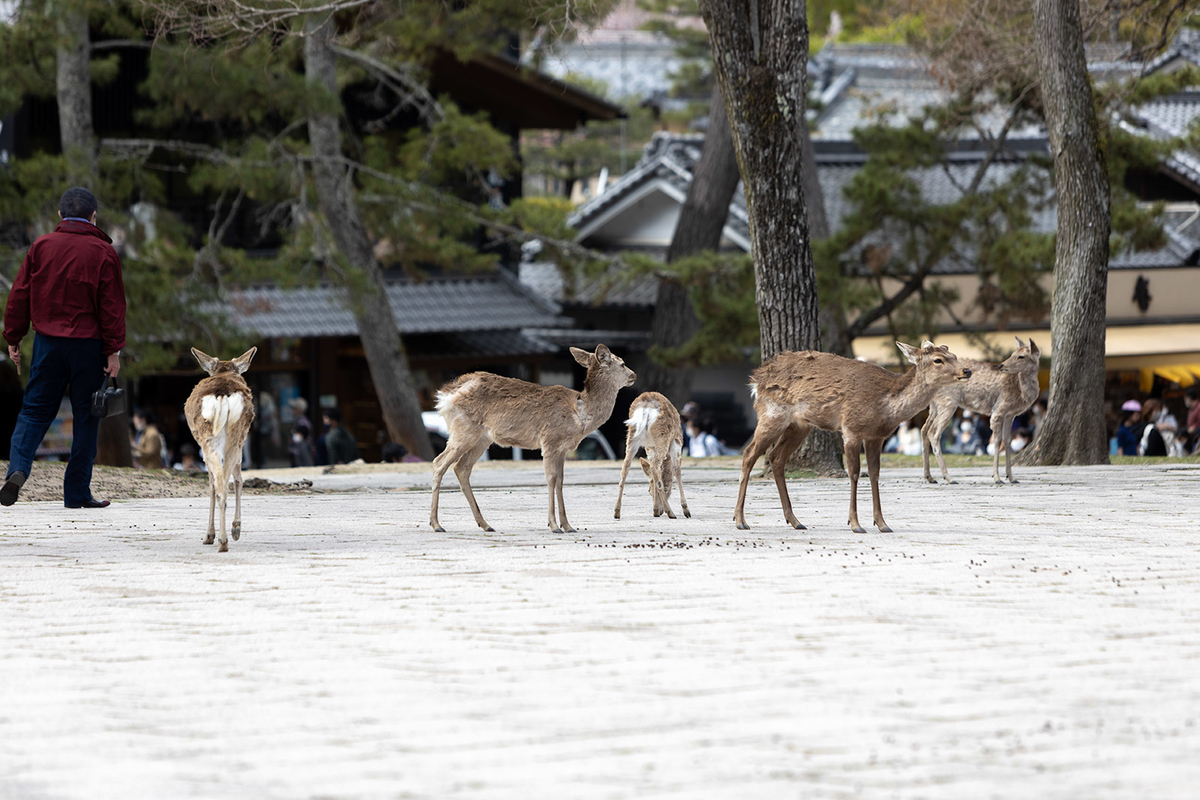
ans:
(70, 285)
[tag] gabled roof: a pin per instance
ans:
(665, 166)
(489, 303)
(1183, 50)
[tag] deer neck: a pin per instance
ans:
(907, 396)
(596, 401)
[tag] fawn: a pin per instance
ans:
(796, 392)
(1002, 390)
(219, 412)
(654, 424)
(481, 408)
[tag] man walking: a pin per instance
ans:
(70, 289)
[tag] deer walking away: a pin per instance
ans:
(219, 412)
(481, 408)
(795, 392)
(654, 425)
(1002, 390)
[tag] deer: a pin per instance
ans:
(654, 424)
(481, 408)
(219, 412)
(1002, 390)
(795, 392)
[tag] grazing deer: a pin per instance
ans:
(481, 408)
(219, 412)
(1002, 390)
(796, 392)
(654, 424)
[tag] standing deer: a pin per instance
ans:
(481, 408)
(654, 424)
(796, 392)
(1002, 390)
(219, 412)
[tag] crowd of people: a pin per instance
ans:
(1150, 429)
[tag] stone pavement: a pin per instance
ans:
(1031, 641)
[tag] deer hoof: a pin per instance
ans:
(1013, 481)
(438, 529)
(236, 532)
(929, 479)
(858, 529)
(556, 530)
(208, 539)
(884, 529)
(616, 515)
(489, 529)
(687, 513)
(223, 548)
(568, 529)
(950, 482)
(799, 526)
(743, 526)
(670, 515)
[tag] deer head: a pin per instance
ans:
(935, 363)
(604, 368)
(214, 365)
(659, 474)
(1024, 359)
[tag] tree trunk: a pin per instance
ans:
(77, 137)
(701, 221)
(74, 90)
(822, 450)
(386, 358)
(760, 49)
(1073, 431)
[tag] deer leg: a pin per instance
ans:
(1002, 425)
(873, 448)
(629, 451)
(211, 536)
(853, 467)
(793, 437)
(222, 535)
(455, 449)
(765, 433)
(236, 530)
(462, 468)
(676, 465)
(931, 438)
(552, 464)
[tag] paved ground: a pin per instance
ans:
(1037, 641)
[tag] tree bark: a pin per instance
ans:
(760, 50)
(1073, 431)
(73, 86)
(701, 221)
(386, 357)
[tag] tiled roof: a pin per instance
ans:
(484, 344)
(670, 158)
(587, 339)
(436, 306)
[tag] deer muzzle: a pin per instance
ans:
(964, 375)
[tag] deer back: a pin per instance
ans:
(220, 385)
(841, 394)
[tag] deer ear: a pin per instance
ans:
(603, 353)
(927, 344)
(207, 362)
(645, 465)
(582, 356)
(1020, 344)
(242, 362)
(909, 351)
(1034, 348)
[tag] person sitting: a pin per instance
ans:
(148, 443)
(339, 444)
(1129, 431)
(187, 459)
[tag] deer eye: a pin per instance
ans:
(937, 361)
(1020, 357)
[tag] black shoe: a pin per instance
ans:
(92, 502)
(12, 488)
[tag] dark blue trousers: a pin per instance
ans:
(57, 363)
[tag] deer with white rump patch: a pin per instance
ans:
(1001, 390)
(481, 408)
(796, 392)
(654, 424)
(219, 412)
